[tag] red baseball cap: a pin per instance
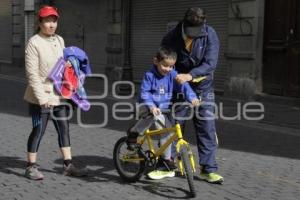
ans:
(48, 11)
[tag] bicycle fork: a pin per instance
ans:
(192, 160)
(180, 143)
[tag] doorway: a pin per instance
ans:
(281, 72)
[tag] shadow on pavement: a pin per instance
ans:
(162, 189)
(101, 169)
(7, 164)
(258, 141)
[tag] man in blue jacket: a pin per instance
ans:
(197, 48)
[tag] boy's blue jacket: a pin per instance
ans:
(157, 90)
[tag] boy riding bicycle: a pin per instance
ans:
(156, 92)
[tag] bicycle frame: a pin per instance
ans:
(159, 151)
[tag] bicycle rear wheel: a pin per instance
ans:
(188, 169)
(129, 164)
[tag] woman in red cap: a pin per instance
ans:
(41, 54)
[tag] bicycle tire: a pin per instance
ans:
(188, 170)
(139, 166)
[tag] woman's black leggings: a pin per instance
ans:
(40, 117)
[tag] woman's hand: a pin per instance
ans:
(47, 105)
(155, 111)
(181, 78)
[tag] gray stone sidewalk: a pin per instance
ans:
(247, 175)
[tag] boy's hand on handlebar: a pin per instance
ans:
(155, 111)
(196, 102)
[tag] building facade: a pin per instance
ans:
(259, 39)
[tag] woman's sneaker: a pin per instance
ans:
(71, 170)
(212, 177)
(32, 172)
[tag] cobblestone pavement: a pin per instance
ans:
(257, 163)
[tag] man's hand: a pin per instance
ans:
(181, 78)
(155, 111)
(196, 102)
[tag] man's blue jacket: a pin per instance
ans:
(203, 58)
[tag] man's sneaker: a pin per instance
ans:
(211, 177)
(32, 172)
(71, 170)
(159, 174)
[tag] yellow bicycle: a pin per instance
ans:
(131, 164)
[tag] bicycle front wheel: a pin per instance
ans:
(129, 164)
(188, 169)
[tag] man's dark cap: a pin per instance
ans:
(193, 20)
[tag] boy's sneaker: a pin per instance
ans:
(32, 172)
(71, 170)
(132, 144)
(159, 174)
(164, 168)
(212, 177)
